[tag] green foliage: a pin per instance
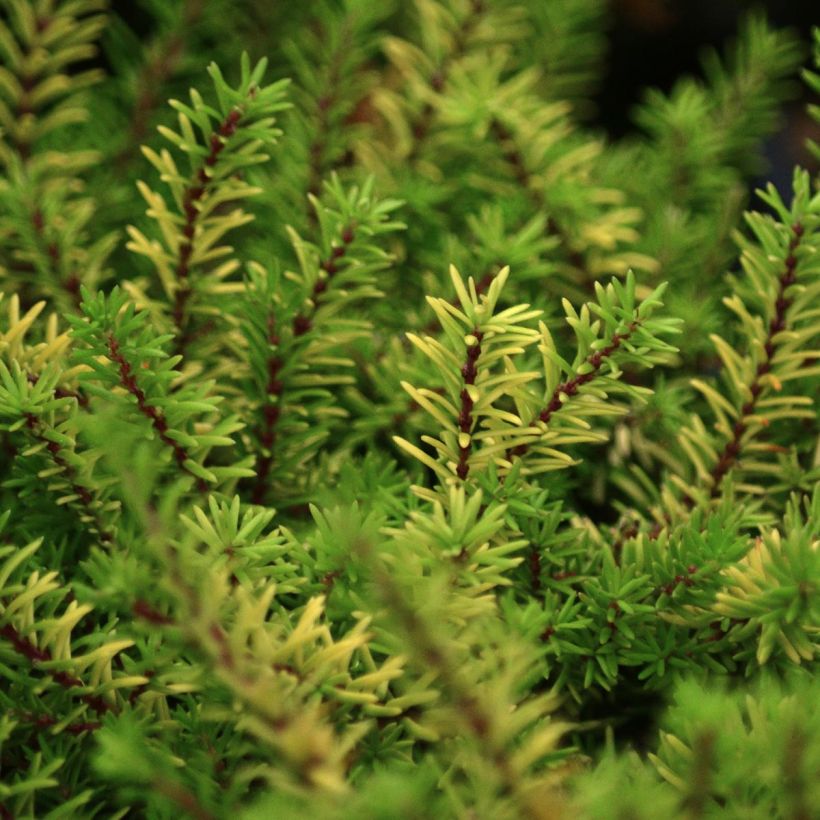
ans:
(190, 260)
(47, 217)
(295, 523)
(722, 753)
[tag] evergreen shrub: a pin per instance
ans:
(379, 440)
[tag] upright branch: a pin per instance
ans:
(328, 268)
(613, 331)
(567, 389)
(301, 324)
(533, 188)
(81, 495)
(271, 411)
(191, 204)
(733, 447)
(128, 381)
(469, 358)
(424, 120)
(298, 328)
(191, 259)
(772, 301)
(476, 703)
(594, 361)
(42, 49)
(69, 281)
(166, 54)
(37, 408)
(123, 362)
(465, 417)
(325, 102)
(37, 44)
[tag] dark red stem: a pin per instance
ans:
(35, 656)
(129, 381)
(424, 122)
(271, 410)
(534, 564)
(465, 417)
(523, 177)
(85, 495)
(45, 721)
(142, 609)
(571, 386)
(733, 447)
(302, 323)
(191, 199)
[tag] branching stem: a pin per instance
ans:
(190, 208)
(465, 416)
(570, 387)
(85, 496)
(35, 655)
(301, 324)
(129, 381)
(420, 129)
(732, 450)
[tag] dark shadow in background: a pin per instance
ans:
(653, 42)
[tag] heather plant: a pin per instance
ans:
(379, 440)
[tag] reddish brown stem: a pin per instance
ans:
(534, 565)
(142, 609)
(85, 496)
(524, 178)
(465, 417)
(271, 411)
(303, 321)
(622, 535)
(679, 579)
(318, 146)
(23, 646)
(571, 386)
(657, 527)
(424, 121)
(301, 324)
(46, 721)
(153, 78)
(732, 449)
(129, 381)
(190, 208)
(433, 327)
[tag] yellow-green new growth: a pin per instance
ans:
(492, 414)
(476, 430)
